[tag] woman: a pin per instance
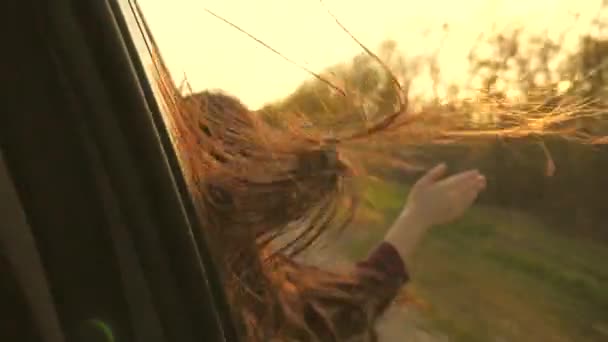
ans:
(252, 184)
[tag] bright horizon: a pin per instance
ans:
(214, 55)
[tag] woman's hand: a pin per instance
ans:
(433, 200)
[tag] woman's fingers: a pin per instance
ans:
(468, 197)
(477, 183)
(465, 186)
(482, 182)
(433, 175)
(461, 180)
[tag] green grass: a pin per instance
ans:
(382, 200)
(384, 195)
(500, 276)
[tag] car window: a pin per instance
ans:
(525, 263)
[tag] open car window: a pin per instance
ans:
(526, 263)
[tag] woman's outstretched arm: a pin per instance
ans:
(433, 200)
(338, 309)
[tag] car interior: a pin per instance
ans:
(98, 236)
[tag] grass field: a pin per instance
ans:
(495, 275)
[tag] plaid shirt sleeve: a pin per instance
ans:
(347, 309)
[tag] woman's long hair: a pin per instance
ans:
(252, 183)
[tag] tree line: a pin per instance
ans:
(560, 179)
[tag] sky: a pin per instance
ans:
(211, 54)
